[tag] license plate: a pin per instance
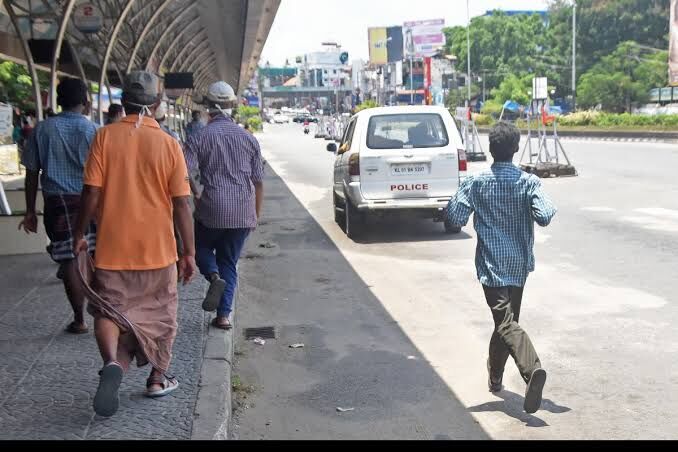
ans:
(410, 170)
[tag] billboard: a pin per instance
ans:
(423, 38)
(386, 45)
(673, 46)
(378, 40)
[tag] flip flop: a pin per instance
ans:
(73, 328)
(222, 326)
(169, 385)
(534, 390)
(214, 294)
(107, 400)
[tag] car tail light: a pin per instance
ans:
(354, 165)
(463, 165)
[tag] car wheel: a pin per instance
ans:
(339, 216)
(354, 222)
(451, 228)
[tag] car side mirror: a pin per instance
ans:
(332, 147)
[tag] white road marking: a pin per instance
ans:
(601, 209)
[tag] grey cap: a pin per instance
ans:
(141, 87)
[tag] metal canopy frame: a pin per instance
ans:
(177, 35)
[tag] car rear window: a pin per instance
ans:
(407, 131)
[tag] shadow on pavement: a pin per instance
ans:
(355, 356)
(512, 405)
(409, 230)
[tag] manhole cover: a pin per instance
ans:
(267, 332)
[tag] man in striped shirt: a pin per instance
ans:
(231, 172)
(506, 202)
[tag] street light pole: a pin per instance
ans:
(411, 80)
(574, 55)
(468, 51)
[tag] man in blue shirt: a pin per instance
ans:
(194, 127)
(506, 202)
(56, 154)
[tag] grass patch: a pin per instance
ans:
(240, 387)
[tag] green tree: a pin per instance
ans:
(502, 45)
(16, 85)
(623, 78)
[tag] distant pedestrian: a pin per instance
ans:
(137, 184)
(506, 202)
(229, 162)
(161, 117)
(56, 153)
(196, 125)
(115, 114)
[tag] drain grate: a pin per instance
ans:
(267, 332)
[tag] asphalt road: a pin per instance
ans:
(599, 308)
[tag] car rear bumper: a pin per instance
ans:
(354, 192)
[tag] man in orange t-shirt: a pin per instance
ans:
(136, 182)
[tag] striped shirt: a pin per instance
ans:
(506, 202)
(59, 147)
(229, 161)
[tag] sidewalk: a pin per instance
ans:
(48, 378)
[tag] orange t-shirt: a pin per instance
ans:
(139, 171)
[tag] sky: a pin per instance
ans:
(302, 25)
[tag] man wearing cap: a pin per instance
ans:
(137, 183)
(231, 171)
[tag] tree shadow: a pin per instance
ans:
(512, 405)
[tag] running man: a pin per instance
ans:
(506, 202)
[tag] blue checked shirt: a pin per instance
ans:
(506, 202)
(58, 147)
(229, 161)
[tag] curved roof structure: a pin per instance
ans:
(213, 39)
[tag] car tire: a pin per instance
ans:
(354, 222)
(339, 216)
(451, 228)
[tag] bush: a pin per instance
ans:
(366, 105)
(482, 119)
(492, 108)
(255, 123)
(614, 120)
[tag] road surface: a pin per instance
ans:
(599, 308)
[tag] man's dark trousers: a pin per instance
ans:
(509, 339)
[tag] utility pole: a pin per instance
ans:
(468, 51)
(574, 55)
(411, 80)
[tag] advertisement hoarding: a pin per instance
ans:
(378, 40)
(673, 46)
(394, 44)
(423, 38)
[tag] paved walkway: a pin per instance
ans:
(48, 378)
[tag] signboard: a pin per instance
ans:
(423, 38)
(378, 40)
(540, 88)
(88, 18)
(673, 45)
(6, 121)
(386, 45)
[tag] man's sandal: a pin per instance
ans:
(74, 328)
(169, 385)
(107, 400)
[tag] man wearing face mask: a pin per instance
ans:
(136, 181)
(161, 117)
(229, 161)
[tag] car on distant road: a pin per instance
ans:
(407, 161)
(281, 119)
